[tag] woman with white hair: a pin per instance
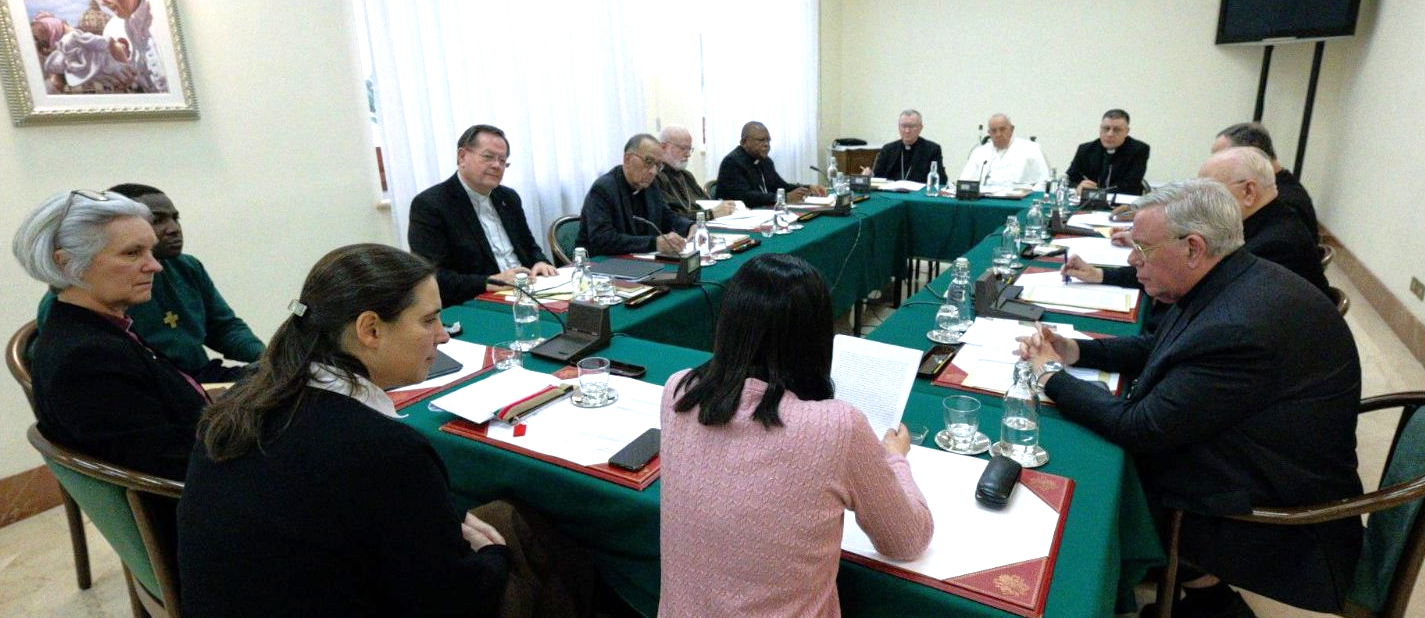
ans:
(98, 387)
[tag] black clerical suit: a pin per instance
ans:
(1122, 172)
(102, 392)
(754, 181)
(1291, 192)
(898, 162)
(1246, 397)
(343, 513)
(444, 229)
(610, 225)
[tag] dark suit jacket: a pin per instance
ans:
(445, 230)
(348, 509)
(1291, 192)
(101, 392)
(1275, 233)
(1246, 397)
(755, 182)
(1129, 164)
(916, 162)
(607, 225)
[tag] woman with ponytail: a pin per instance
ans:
(760, 463)
(304, 496)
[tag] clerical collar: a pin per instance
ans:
(1110, 150)
(363, 390)
(471, 192)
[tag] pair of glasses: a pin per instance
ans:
(1145, 251)
(93, 196)
(656, 164)
(489, 157)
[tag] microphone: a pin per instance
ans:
(823, 174)
(1108, 183)
(984, 177)
(648, 223)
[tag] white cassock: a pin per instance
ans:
(1020, 165)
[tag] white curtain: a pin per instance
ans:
(760, 62)
(560, 78)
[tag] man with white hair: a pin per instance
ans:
(1006, 161)
(1245, 398)
(679, 187)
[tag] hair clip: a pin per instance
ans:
(297, 308)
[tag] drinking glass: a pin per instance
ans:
(917, 433)
(594, 380)
(505, 356)
(720, 249)
(947, 319)
(604, 290)
(962, 426)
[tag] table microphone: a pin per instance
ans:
(986, 175)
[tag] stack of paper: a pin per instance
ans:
(479, 401)
(559, 286)
(743, 220)
(1096, 251)
(711, 204)
(1049, 289)
(903, 186)
(587, 436)
(990, 352)
(1097, 219)
(875, 377)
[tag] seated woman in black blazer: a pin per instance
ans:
(305, 497)
(98, 388)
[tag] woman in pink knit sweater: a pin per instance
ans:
(760, 463)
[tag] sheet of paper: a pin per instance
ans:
(986, 331)
(588, 436)
(471, 357)
(819, 201)
(991, 375)
(1049, 288)
(478, 402)
(903, 185)
(745, 220)
(1096, 251)
(1096, 218)
(969, 538)
(1124, 198)
(710, 204)
(875, 377)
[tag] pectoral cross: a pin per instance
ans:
(171, 319)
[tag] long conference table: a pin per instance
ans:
(1108, 540)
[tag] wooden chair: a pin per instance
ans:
(18, 360)
(562, 235)
(134, 512)
(1396, 506)
(1343, 302)
(1328, 253)
(711, 187)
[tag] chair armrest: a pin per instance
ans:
(1378, 500)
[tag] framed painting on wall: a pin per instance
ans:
(85, 60)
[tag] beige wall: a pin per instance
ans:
(278, 170)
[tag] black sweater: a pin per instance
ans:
(344, 513)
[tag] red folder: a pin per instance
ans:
(1021, 588)
(406, 398)
(954, 377)
(634, 480)
(1130, 317)
(553, 306)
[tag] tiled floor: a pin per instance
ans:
(37, 572)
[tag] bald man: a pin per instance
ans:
(679, 187)
(1006, 161)
(747, 173)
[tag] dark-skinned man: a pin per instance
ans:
(747, 173)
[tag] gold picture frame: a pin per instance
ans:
(67, 61)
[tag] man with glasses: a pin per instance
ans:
(678, 185)
(1114, 161)
(472, 228)
(624, 212)
(747, 173)
(1006, 161)
(1245, 398)
(908, 158)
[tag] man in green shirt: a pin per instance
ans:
(186, 312)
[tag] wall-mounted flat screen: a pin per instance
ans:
(1271, 21)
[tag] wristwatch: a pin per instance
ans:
(1050, 368)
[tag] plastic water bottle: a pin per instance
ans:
(702, 240)
(961, 294)
(832, 174)
(781, 217)
(1034, 224)
(579, 279)
(526, 312)
(1019, 426)
(932, 181)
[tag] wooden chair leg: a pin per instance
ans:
(77, 540)
(134, 603)
(1168, 587)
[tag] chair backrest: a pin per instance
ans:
(562, 235)
(1328, 253)
(1343, 302)
(134, 512)
(17, 358)
(711, 187)
(1395, 537)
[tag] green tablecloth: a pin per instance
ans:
(943, 228)
(856, 254)
(1107, 542)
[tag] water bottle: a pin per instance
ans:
(781, 217)
(832, 174)
(702, 240)
(579, 279)
(961, 293)
(932, 181)
(1034, 224)
(1019, 427)
(526, 312)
